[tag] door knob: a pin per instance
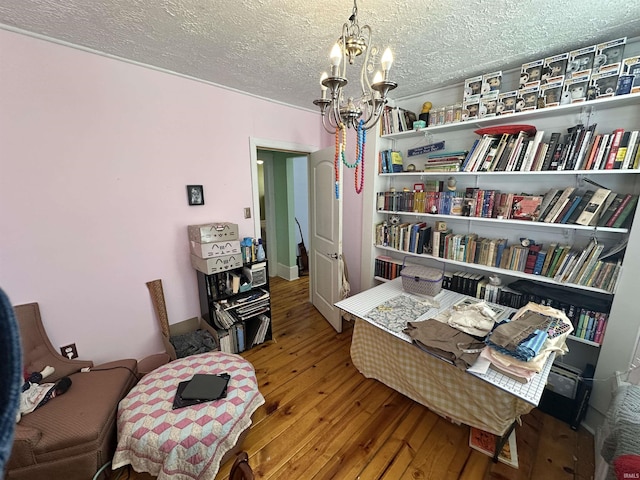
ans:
(332, 255)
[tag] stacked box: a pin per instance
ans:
(472, 87)
(488, 105)
(551, 92)
(506, 102)
(491, 83)
(554, 67)
(608, 56)
(215, 249)
(531, 74)
(580, 62)
(217, 264)
(527, 98)
(213, 232)
(575, 89)
(603, 84)
(631, 68)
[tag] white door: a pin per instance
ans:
(325, 231)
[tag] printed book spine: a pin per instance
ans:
(626, 212)
(613, 150)
(621, 204)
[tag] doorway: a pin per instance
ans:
(281, 196)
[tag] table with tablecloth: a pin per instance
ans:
(189, 442)
(491, 402)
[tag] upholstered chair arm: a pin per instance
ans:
(24, 442)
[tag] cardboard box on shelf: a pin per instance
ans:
(213, 232)
(216, 264)
(215, 249)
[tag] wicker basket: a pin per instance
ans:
(421, 280)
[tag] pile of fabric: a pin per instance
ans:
(518, 347)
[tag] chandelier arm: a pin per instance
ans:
(324, 125)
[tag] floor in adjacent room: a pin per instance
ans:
(322, 419)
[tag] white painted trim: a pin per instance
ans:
(288, 273)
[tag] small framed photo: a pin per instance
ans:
(195, 194)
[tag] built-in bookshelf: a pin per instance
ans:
(391, 200)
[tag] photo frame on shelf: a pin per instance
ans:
(195, 194)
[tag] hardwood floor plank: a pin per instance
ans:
(557, 446)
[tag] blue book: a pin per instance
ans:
(469, 155)
(588, 333)
(501, 245)
(573, 206)
(537, 268)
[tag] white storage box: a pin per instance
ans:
(422, 280)
(215, 249)
(217, 264)
(259, 274)
(213, 232)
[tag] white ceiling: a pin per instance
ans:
(277, 49)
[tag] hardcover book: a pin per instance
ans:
(526, 207)
(591, 213)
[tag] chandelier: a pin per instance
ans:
(354, 41)
(339, 111)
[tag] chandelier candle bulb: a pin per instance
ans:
(335, 57)
(386, 61)
(323, 88)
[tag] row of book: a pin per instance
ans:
(598, 207)
(601, 207)
(588, 324)
(581, 148)
(589, 267)
(387, 267)
(396, 120)
(242, 336)
(408, 237)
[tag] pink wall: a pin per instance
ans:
(95, 154)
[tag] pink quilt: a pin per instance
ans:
(186, 443)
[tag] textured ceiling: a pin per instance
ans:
(277, 49)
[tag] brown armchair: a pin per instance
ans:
(74, 434)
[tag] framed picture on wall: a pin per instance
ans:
(195, 194)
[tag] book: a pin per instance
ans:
(626, 212)
(611, 214)
(553, 143)
(485, 442)
(622, 150)
(591, 213)
(526, 207)
(632, 145)
(559, 205)
(608, 212)
(574, 204)
(586, 196)
(616, 138)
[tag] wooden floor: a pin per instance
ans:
(323, 420)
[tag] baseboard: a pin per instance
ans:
(288, 273)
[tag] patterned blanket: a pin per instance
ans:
(186, 443)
